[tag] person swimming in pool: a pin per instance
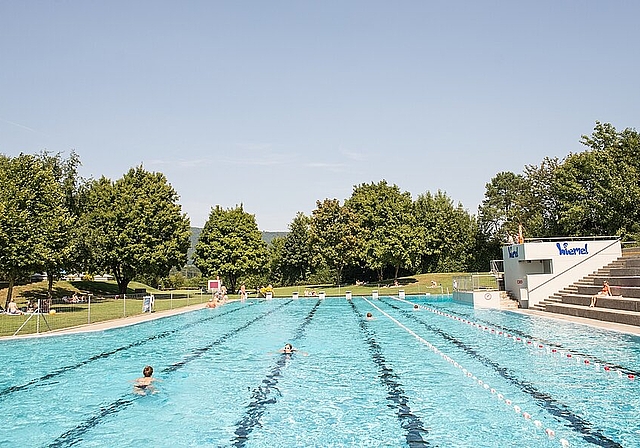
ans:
(289, 350)
(145, 383)
(370, 316)
(416, 307)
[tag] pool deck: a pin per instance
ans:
(622, 328)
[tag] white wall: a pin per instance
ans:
(570, 261)
(479, 299)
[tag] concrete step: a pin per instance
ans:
(624, 281)
(604, 314)
(631, 292)
(625, 272)
(613, 303)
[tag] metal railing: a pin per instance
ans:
(475, 282)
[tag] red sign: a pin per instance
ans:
(214, 285)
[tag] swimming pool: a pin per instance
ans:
(444, 375)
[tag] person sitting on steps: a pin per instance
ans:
(604, 292)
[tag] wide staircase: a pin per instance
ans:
(622, 307)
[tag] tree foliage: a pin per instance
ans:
(31, 209)
(134, 226)
(296, 252)
(386, 222)
(334, 236)
(444, 234)
(230, 246)
(62, 251)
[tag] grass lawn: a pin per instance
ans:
(415, 284)
(97, 310)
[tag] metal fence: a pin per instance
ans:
(46, 315)
(475, 282)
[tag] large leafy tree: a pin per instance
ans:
(445, 234)
(135, 227)
(334, 236)
(387, 223)
(296, 259)
(61, 251)
(275, 259)
(598, 190)
(503, 208)
(230, 246)
(30, 210)
(542, 215)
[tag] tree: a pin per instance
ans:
(135, 226)
(387, 223)
(598, 190)
(30, 207)
(445, 234)
(502, 209)
(61, 249)
(334, 235)
(296, 253)
(231, 246)
(543, 212)
(275, 258)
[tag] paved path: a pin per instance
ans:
(631, 329)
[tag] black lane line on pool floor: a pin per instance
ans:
(73, 436)
(260, 396)
(103, 355)
(521, 333)
(410, 422)
(546, 401)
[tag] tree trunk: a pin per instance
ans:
(12, 281)
(395, 277)
(122, 285)
(50, 284)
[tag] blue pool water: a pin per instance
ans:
(446, 375)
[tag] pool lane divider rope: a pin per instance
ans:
(261, 396)
(395, 393)
(103, 355)
(549, 347)
(553, 348)
(580, 359)
(551, 433)
(73, 436)
(550, 404)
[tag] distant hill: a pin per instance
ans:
(267, 237)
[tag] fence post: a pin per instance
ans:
(89, 311)
(124, 305)
(38, 316)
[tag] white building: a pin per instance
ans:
(538, 268)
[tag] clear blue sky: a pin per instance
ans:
(276, 104)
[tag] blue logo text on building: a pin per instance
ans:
(513, 252)
(564, 249)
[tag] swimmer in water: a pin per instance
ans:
(415, 307)
(289, 350)
(370, 316)
(145, 383)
